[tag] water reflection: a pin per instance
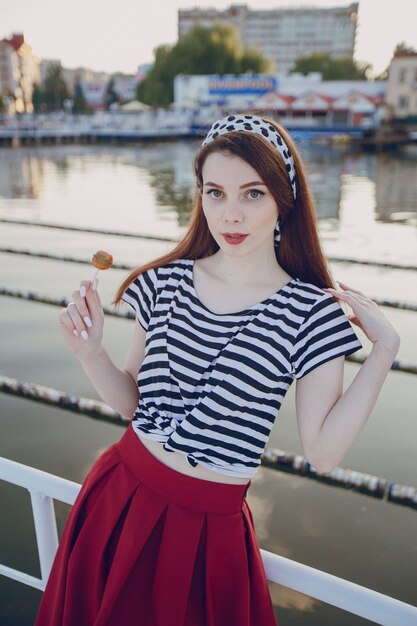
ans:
(21, 174)
(396, 189)
(169, 192)
(385, 184)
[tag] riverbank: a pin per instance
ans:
(163, 124)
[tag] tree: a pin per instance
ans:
(216, 50)
(80, 105)
(252, 60)
(55, 89)
(37, 98)
(331, 69)
(382, 75)
(3, 103)
(111, 94)
(402, 48)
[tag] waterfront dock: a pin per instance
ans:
(108, 127)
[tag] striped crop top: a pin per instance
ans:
(211, 384)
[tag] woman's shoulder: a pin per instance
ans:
(179, 262)
(309, 290)
(176, 265)
(308, 298)
(173, 270)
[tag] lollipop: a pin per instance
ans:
(102, 261)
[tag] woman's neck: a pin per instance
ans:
(245, 270)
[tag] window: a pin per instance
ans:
(403, 102)
(402, 75)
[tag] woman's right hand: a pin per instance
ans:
(82, 321)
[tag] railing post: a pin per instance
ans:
(46, 531)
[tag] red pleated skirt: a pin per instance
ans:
(145, 545)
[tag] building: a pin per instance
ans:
(94, 83)
(296, 100)
(71, 76)
(19, 71)
(401, 96)
(283, 34)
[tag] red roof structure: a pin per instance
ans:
(16, 41)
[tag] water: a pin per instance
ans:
(367, 208)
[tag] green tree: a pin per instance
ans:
(252, 60)
(80, 105)
(111, 94)
(37, 98)
(3, 104)
(216, 50)
(331, 69)
(54, 88)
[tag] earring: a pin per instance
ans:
(277, 234)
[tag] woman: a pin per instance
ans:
(161, 533)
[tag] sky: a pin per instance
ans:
(119, 36)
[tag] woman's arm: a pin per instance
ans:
(329, 420)
(116, 386)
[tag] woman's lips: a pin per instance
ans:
(234, 239)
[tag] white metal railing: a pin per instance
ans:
(44, 488)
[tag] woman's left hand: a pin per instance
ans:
(368, 316)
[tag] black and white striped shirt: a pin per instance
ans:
(211, 384)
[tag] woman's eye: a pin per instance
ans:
(215, 193)
(254, 194)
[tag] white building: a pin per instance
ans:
(283, 34)
(295, 99)
(401, 96)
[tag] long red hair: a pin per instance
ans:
(299, 252)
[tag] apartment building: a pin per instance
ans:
(283, 34)
(19, 70)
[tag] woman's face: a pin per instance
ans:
(235, 200)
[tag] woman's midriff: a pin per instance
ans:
(178, 462)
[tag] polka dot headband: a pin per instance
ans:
(255, 125)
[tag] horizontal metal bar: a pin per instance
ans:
(59, 257)
(62, 302)
(61, 400)
(42, 299)
(387, 302)
(36, 480)
(86, 229)
(360, 482)
(339, 592)
(22, 577)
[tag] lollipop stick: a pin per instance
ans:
(94, 281)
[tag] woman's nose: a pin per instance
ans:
(233, 212)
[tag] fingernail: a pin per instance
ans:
(82, 291)
(84, 334)
(88, 322)
(75, 331)
(95, 282)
